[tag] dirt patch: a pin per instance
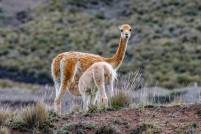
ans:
(175, 119)
(129, 117)
(180, 119)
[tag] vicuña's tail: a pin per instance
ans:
(55, 70)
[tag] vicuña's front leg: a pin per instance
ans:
(102, 96)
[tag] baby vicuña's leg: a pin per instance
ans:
(100, 83)
(87, 101)
(84, 94)
(111, 86)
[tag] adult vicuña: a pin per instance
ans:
(71, 65)
(92, 84)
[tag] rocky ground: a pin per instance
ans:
(165, 120)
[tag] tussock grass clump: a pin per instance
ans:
(119, 100)
(4, 116)
(32, 117)
(41, 113)
(4, 130)
(28, 116)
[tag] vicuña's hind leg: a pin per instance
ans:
(100, 83)
(55, 73)
(67, 69)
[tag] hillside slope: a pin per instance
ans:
(166, 41)
(156, 120)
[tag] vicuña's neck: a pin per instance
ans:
(118, 57)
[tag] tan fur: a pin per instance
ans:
(97, 75)
(71, 65)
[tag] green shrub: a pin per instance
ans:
(146, 129)
(107, 129)
(91, 126)
(121, 121)
(77, 128)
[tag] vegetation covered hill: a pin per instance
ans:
(166, 41)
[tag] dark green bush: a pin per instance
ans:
(107, 129)
(119, 100)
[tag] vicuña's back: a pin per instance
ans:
(67, 67)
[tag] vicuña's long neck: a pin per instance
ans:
(118, 57)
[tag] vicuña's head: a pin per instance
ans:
(125, 31)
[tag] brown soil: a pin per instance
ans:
(125, 115)
(175, 119)
(169, 120)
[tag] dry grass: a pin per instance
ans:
(4, 116)
(31, 117)
(127, 93)
(6, 83)
(4, 130)
(41, 113)
(28, 116)
(120, 99)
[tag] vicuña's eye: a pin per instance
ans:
(121, 30)
(130, 30)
